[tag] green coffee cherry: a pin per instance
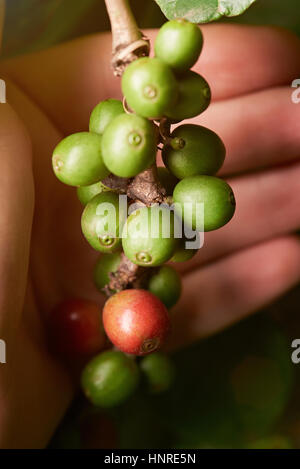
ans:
(148, 236)
(193, 98)
(201, 152)
(179, 44)
(109, 379)
(86, 193)
(215, 195)
(106, 264)
(77, 160)
(167, 180)
(129, 145)
(182, 254)
(166, 285)
(149, 87)
(104, 113)
(102, 221)
(158, 371)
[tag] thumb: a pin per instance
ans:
(17, 197)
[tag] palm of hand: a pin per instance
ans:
(243, 265)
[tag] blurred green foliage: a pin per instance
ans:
(36, 24)
(230, 392)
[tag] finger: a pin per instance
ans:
(259, 130)
(222, 293)
(267, 206)
(69, 80)
(240, 59)
(16, 195)
(57, 205)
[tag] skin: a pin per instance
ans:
(241, 267)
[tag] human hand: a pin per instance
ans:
(240, 268)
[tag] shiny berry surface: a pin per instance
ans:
(204, 198)
(149, 86)
(77, 160)
(183, 254)
(136, 321)
(179, 44)
(109, 379)
(101, 221)
(75, 329)
(201, 151)
(106, 264)
(104, 113)
(194, 97)
(148, 236)
(86, 193)
(166, 285)
(158, 371)
(129, 145)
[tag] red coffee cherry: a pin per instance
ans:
(136, 321)
(75, 329)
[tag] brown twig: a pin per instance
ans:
(128, 41)
(128, 45)
(146, 188)
(125, 276)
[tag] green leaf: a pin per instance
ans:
(203, 11)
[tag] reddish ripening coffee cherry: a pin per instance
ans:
(75, 329)
(136, 321)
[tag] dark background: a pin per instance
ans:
(35, 24)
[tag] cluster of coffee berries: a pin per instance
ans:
(121, 144)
